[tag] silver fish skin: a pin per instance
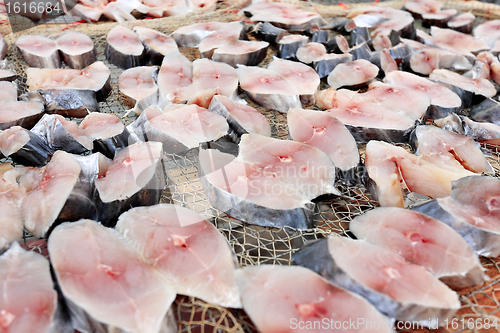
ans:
(24, 147)
(486, 111)
(288, 45)
(70, 103)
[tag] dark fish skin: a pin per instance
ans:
(56, 136)
(147, 196)
(235, 129)
(124, 61)
(6, 75)
(109, 147)
(481, 241)
(361, 51)
(355, 176)
(436, 112)
(326, 66)
(364, 134)
(320, 36)
(400, 52)
(79, 61)
(486, 111)
(35, 153)
(333, 45)
(71, 103)
(52, 61)
(288, 50)
(26, 122)
(359, 35)
(271, 34)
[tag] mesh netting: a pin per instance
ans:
(256, 245)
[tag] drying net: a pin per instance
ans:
(256, 245)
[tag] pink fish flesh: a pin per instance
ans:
(250, 53)
(77, 49)
(11, 197)
(177, 241)
(352, 73)
(124, 48)
(138, 83)
(191, 35)
(227, 34)
(156, 44)
(39, 51)
(462, 23)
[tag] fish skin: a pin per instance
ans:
(169, 236)
(321, 257)
(300, 294)
(79, 58)
(463, 23)
(156, 44)
(70, 103)
(235, 185)
(288, 45)
(269, 33)
(423, 241)
(191, 35)
(486, 111)
(24, 147)
(228, 54)
(325, 64)
(143, 297)
(472, 199)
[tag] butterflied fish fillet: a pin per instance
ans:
(320, 129)
(397, 288)
(135, 177)
(39, 51)
(28, 299)
(187, 250)
(182, 129)
(77, 49)
(250, 53)
(108, 132)
(138, 83)
(95, 77)
(270, 183)
(449, 150)
(352, 73)
(443, 100)
(240, 117)
(62, 134)
(24, 147)
(109, 281)
(423, 241)
(472, 210)
(156, 44)
(277, 297)
(303, 77)
(48, 189)
(388, 166)
(124, 48)
(283, 15)
(268, 88)
(191, 35)
(227, 34)
(11, 197)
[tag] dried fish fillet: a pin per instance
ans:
(397, 288)
(178, 242)
(423, 241)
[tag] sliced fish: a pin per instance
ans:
(177, 241)
(39, 51)
(124, 49)
(483, 132)
(460, 42)
(77, 49)
(181, 129)
(310, 52)
(423, 62)
(156, 44)
(397, 20)
(488, 31)
(191, 35)
(462, 23)
(463, 86)
(301, 296)
(268, 88)
(95, 77)
(250, 53)
(227, 34)
(28, 300)
(450, 150)
(288, 45)
(283, 15)
(176, 72)
(324, 65)
(11, 197)
(70, 102)
(389, 166)
(486, 111)
(472, 211)
(24, 147)
(47, 190)
(421, 7)
(138, 83)
(338, 44)
(20, 113)
(423, 241)
(8, 91)
(135, 177)
(439, 18)
(269, 33)
(62, 134)
(240, 117)
(381, 42)
(352, 73)
(261, 185)
(303, 77)
(443, 100)
(107, 131)
(111, 283)
(384, 61)
(397, 288)
(321, 130)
